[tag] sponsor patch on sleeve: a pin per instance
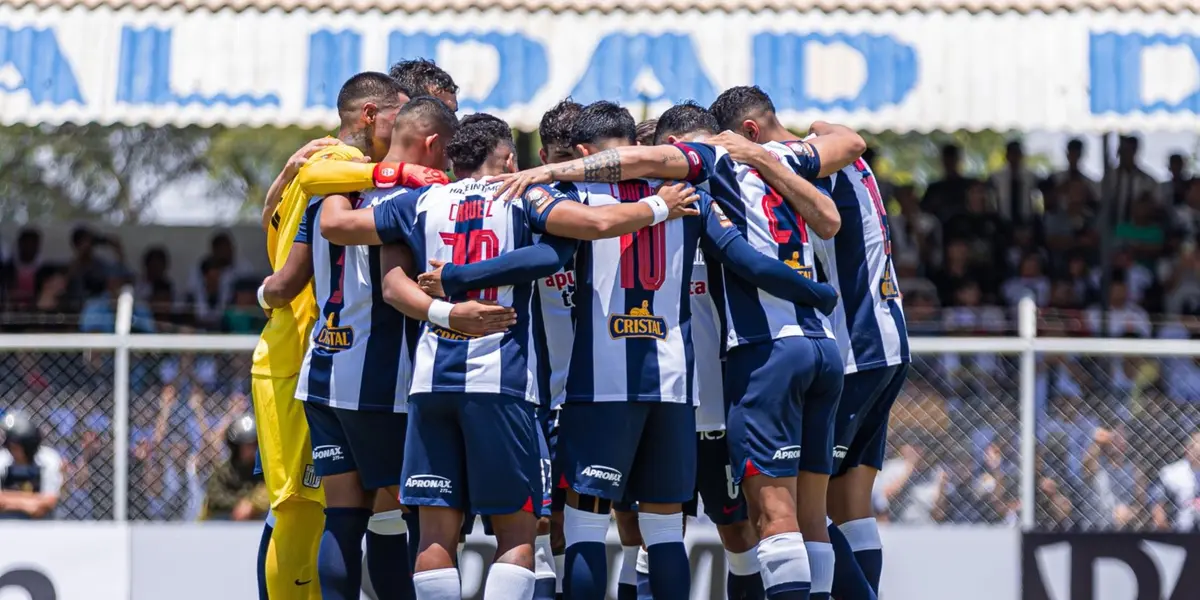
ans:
(722, 218)
(538, 198)
(801, 148)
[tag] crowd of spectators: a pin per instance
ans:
(1117, 436)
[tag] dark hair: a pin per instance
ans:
(603, 120)
(645, 132)
(81, 233)
(557, 123)
(369, 86)
(1013, 145)
(477, 137)
(425, 115)
(29, 233)
(736, 103)
(222, 237)
(684, 118)
(422, 77)
(155, 253)
(209, 264)
(950, 151)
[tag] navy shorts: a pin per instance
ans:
(783, 401)
(478, 453)
(632, 451)
(862, 417)
(558, 486)
(722, 497)
(369, 442)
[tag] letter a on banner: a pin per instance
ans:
(645, 68)
(39, 61)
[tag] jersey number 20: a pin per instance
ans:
(472, 247)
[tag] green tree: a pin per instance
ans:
(244, 161)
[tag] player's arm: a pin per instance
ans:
(582, 222)
(403, 294)
(790, 178)
(608, 166)
(386, 223)
(282, 286)
(323, 177)
(837, 146)
(722, 240)
(288, 174)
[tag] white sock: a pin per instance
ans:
(388, 523)
(661, 529)
(821, 562)
(508, 582)
(438, 584)
(643, 561)
(629, 559)
(783, 560)
(581, 527)
(458, 553)
(862, 534)
(560, 568)
(543, 558)
(742, 563)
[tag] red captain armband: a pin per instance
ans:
(693, 160)
(415, 176)
(386, 174)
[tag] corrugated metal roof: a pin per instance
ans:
(606, 6)
(911, 71)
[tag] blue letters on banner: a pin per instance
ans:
(45, 73)
(144, 74)
(620, 58)
(523, 68)
(333, 57)
(1117, 81)
(779, 70)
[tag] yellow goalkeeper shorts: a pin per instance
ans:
(284, 448)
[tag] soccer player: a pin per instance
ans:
(421, 76)
(871, 334)
(367, 104)
(627, 433)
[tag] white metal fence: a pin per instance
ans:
(1045, 432)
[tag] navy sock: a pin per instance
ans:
(413, 538)
(587, 572)
(849, 582)
(788, 592)
(871, 563)
(642, 590)
(264, 544)
(627, 591)
(744, 587)
(339, 561)
(544, 589)
(388, 564)
(670, 572)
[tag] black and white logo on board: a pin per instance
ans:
(1110, 566)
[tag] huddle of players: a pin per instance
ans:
(619, 301)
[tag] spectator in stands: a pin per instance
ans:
(30, 473)
(1174, 191)
(1112, 480)
(1084, 279)
(234, 492)
(1186, 214)
(1073, 174)
(985, 231)
(1127, 183)
(1123, 315)
(210, 303)
(1142, 234)
(99, 314)
(947, 196)
(1030, 280)
(916, 234)
(1181, 286)
(1176, 493)
(1016, 187)
(958, 269)
(244, 315)
(154, 287)
(1023, 242)
(911, 487)
(1070, 226)
(87, 271)
(1138, 278)
(18, 276)
(1055, 510)
(222, 257)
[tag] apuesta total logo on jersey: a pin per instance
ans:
(638, 323)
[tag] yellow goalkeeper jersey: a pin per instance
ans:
(281, 346)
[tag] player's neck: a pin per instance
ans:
(404, 154)
(776, 133)
(355, 139)
(487, 170)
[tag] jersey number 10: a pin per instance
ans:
(472, 247)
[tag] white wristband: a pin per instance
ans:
(439, 313)
(262, 300)
(661, 212)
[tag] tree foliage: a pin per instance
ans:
(243, 161)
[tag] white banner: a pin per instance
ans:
(64, 561)
(1082, 71)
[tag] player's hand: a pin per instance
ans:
(480, 317)
(680, 198)
(390, 174)
(741, 149)
(513, 185)
(431, 281)
(301, 156)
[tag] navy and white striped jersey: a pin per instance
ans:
(360, 355)
(869, 319)
(772, 228)
(633, 339)
(461, 223)
(708, 342)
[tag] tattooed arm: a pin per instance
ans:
(609, 166)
